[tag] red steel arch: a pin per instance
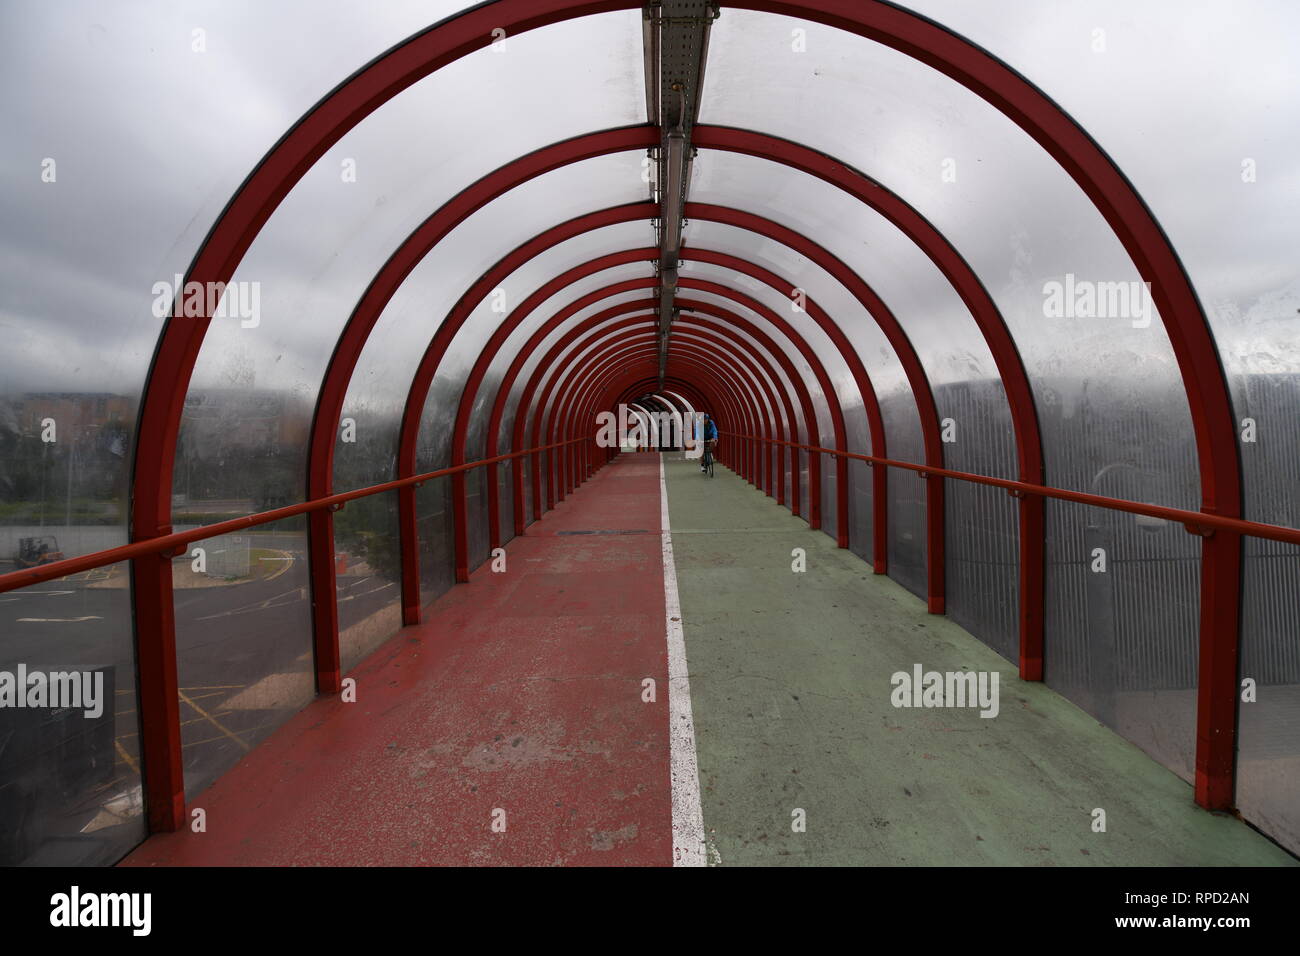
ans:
(610, 363)
(593, 400)
(564, 413)
(646, 374)
(548, 362)
(404, 64)
(754, 306)
(824, 321)
(595, 265)
(750, 379)
(866, 390)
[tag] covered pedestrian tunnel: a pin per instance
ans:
(313, 312)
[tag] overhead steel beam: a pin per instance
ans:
(678, 30)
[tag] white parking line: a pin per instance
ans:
(58, 620)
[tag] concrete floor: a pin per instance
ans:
(790, 685)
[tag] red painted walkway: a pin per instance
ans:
(521, 693)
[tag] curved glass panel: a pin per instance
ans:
(1107, 389)
(379, 386)
(1234, 245)
(128, 129)
(254, 389)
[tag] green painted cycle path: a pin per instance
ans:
(790, 688)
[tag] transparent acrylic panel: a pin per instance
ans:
(952, 351)
(861, 524)
(765, 411)
(799, 323)
(505, 494)
(601, 339)
(637, 296)
(471, 342)
(243, 642)
(573, 252)
(379, 387)
(70, 790)
(905, 491)
(559, 259)
(1236, 240)
(567, 360)
(600, 345)
(316, 255)
(848, 314)
(778, 387)
(1029, 232)
(801, 366)
(337, 226)
(802, 324)
(1234, 74)
(929, 310)
(1108, 391)
(754, 392)
(536, 319)
(1269, 732)
(368, 575)
(981, 556)
(1268, 740)
(126, 132)
(436, 531)
(643, 299)
(801, 460)
(477, 509)
(872, 347)
(941, 329)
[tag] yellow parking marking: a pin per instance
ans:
(126, 756)
(215, 723)
(287, 559)
(297, 594)
(209, 740)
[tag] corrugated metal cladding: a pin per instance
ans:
(906, 494)
(981, 563)
(437, 562)
(1271, 624)
(1122, 614)
(829, 504)
(861, 523)
(1269, 731)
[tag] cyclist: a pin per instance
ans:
(710, 441)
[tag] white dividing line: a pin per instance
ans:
(688, 820)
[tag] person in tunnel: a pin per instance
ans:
(710, 436)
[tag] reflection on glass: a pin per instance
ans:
(70, 789)
(243, 636)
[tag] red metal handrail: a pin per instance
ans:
(168, 542)
(1197, 522)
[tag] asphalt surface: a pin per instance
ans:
(244, 661)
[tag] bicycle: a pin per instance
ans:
(708, 460)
